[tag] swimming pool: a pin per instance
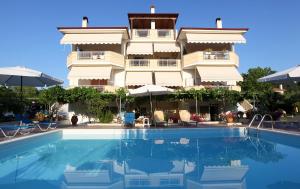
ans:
(206, 158)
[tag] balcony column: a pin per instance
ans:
(182, 62)
(174, 29)
(232, 48)
(131, 26)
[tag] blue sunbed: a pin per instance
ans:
(9, 131)
(129, 119)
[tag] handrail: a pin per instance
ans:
(263, 118)
(167, 63)
(90, 55)
(254, 117)
(216, 55)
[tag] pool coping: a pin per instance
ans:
(294, 133)
(28, 136)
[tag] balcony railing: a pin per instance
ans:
(95, 58)
(91, 55)
(139, 63)
(163, 33)
(153, 34)
(216, 55)
(167, 63)
(153, 64)
(211, 58)
(142, 33)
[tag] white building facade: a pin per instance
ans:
(152, 51)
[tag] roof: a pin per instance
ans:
(154, 15)
(196, 28)
(211, 29)
(105, 27)
(92, 28)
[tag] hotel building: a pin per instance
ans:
(152, 51)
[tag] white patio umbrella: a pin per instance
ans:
(21, 76)
(150, 90)
(290, 75)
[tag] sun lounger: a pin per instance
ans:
(45, 126)
(10, 131)
(42, 126)
(185, 117)
(129, 119)
(159, 118)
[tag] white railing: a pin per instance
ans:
(139, 63)
(91, 55)
(167, 63)
(163, 33)
(216, 55)
(142, 33)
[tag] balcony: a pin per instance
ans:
(152, 34)
(153, 64)
(95, 58)
(210, 58)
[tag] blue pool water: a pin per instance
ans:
(171, 158)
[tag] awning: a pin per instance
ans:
(219, 73)
(93, 38)
(168, 79)
(166, 47)
(140, 48)
(138, 78)
(90, 72)
(215, 38)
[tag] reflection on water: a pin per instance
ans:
(158, 163)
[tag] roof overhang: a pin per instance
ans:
(85, 35)
(143, 20)
(212, 35)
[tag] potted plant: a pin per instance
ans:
(229, 117)
(74, 120)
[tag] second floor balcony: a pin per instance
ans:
(95, 58)
(210, 58)
(153, 64)
(152, 34)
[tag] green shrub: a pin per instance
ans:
(106, 117)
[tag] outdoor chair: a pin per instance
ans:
(42, 126)
(185, 117)
(159, 118)
(129, 119)
(10, 131)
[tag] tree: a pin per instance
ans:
(10, 101)
(260, 93)
(52, 95)
(89, 102)
(250, 86)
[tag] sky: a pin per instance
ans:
(29, 36)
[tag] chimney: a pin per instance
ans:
(85, 22)
(219, 23)
(152, 9)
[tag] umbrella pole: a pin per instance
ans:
(21, 89)
(196, 105)
(151, 106)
